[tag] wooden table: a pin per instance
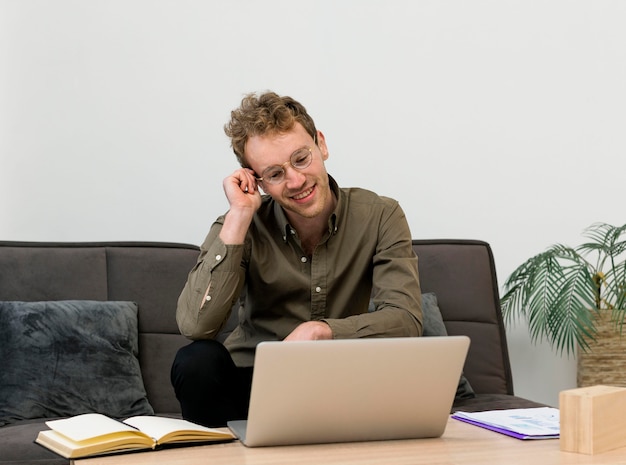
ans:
(461, 444)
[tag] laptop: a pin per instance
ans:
(314, 392)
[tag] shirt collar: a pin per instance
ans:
(333, 221)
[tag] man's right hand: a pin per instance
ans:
(243, 195)
(242, 190)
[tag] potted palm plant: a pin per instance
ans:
(575, 298)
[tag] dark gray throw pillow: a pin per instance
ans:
(432, 319)
(65, 358)
(434, 326)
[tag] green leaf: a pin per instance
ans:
(560, 291)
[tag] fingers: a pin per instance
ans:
(243, 179)
(241, 189)
(249, 184)
(246, 180)
(310, 331)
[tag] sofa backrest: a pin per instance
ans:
(460, 272)
(150, 274)
(463, 276)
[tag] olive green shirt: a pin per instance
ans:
(367, 245)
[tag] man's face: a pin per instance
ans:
(303, 192)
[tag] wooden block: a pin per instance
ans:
(593, 419)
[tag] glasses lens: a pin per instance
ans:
(301, 158)
(274, 174)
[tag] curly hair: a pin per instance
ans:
(268, 113)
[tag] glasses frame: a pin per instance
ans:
(288, 162)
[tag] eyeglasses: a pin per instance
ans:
(300, 159)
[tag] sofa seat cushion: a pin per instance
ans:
(482, 402)
(19, 448)
(63, 358)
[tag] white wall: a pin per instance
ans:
(495, 120)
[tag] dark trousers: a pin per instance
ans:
(210, 388)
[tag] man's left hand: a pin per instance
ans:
(310, 331)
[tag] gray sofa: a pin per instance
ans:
(460, 273)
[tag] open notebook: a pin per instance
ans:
(352, 390)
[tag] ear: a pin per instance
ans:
(321, 143)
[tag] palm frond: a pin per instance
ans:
(561, 291)
(524, 282)
(543, 288)
(605, 240)
(615, 293)
(571, 316)
(553, 292)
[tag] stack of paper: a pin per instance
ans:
(529, 423)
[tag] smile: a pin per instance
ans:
(303, 195)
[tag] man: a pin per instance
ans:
(304, 259)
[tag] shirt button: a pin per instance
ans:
(218, 257)
(303, 259)
(208, 298)
(318, 289)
